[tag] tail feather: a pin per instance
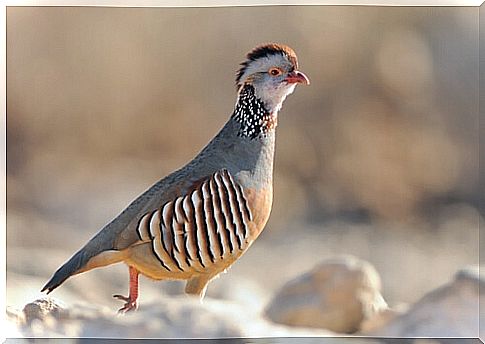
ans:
(101, 250)
(84, 260)
(71, 267)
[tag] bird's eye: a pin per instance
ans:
(274, 71)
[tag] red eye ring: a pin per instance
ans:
(274, 71)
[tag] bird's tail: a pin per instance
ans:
(65, 271)
(84, 260)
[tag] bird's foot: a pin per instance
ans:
(130, 301)
(130, 305)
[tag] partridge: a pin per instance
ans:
(196, 222)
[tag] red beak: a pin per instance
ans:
(297, 77)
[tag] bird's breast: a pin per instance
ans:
(260, 202)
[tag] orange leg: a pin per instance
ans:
(130, 301)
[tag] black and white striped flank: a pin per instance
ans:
(201, 228)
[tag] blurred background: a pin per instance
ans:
(377, 158)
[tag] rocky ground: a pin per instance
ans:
(337, 297)
(340, 280)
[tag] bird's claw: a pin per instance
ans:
(130, 305)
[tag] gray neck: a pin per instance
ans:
(247, 156)
(250, 159)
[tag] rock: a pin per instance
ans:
(337, 295)
(381, 318)
(42, 308)
(449, 311)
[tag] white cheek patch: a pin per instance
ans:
(274, 97)
(290, 89)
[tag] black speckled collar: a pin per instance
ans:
(252, 115)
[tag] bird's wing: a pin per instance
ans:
(187, 223)
(205, 225)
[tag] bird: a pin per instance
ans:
(196, 222)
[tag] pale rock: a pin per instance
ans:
(448, 311)
(44, 308)
(337, 295)
(380, 319)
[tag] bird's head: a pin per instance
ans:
(272, 70)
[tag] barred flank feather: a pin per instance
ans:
(201, 228)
